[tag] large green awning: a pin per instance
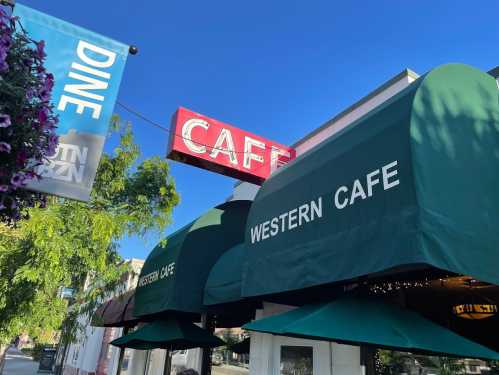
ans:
(174, 275)
(367, 321)
(224, 281)
(413, 183)
(172, 334)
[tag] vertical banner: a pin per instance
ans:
(87, 69)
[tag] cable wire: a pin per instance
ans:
(165, 129)
(142, 117)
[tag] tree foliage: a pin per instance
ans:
(392, 362)
(449, 366)
(64, 243)
(494, 367)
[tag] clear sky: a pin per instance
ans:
(277, 68)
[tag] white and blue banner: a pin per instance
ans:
(87, 69)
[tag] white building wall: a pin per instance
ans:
(328, 358)
(82, 356)
(91, 348)
(244, 191)
(345, 360)
(156, 364)
(113, 355)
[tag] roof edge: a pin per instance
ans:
(494, 72)
(404, 73)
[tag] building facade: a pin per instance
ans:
(91, 353)
(279, 354)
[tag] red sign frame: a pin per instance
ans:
(210, 144)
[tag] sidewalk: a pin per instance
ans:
(17, 363)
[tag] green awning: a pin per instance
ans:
(224, 281)
(367, 321)
(117, 312)
(174, 274)
(173, 334)
(413, 183)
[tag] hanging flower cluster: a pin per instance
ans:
(27, 120)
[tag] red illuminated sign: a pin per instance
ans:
(210, 144)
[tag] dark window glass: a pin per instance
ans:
(297, 360)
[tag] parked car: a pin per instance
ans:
(217, 359)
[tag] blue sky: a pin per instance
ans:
(276, 68)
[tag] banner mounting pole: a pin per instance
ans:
(133, 50)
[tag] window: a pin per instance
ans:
(297, 360)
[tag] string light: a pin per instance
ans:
(391, 286)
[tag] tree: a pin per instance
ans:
(63, 243)
(391, 362)
(494, 367)
(449, 366)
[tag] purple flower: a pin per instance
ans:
(27, 62)
(43, 115)
(3, 66)
(50, 125)
(30, 93)
(4, 188)
(49, 82)
(52, 145)
(5, 147)
(44, 94)
(40, 50)
(4, 121)
(21, 158)
(6, 41)
(53, 140)
(17, 180)
(30, 175)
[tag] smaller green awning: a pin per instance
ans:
(174, 274)
(224, 281)
(368, 321)
(172, 334)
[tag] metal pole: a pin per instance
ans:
(60, 370)
(367, 358)
(168, 363)
(122, 353)
(207, 323)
